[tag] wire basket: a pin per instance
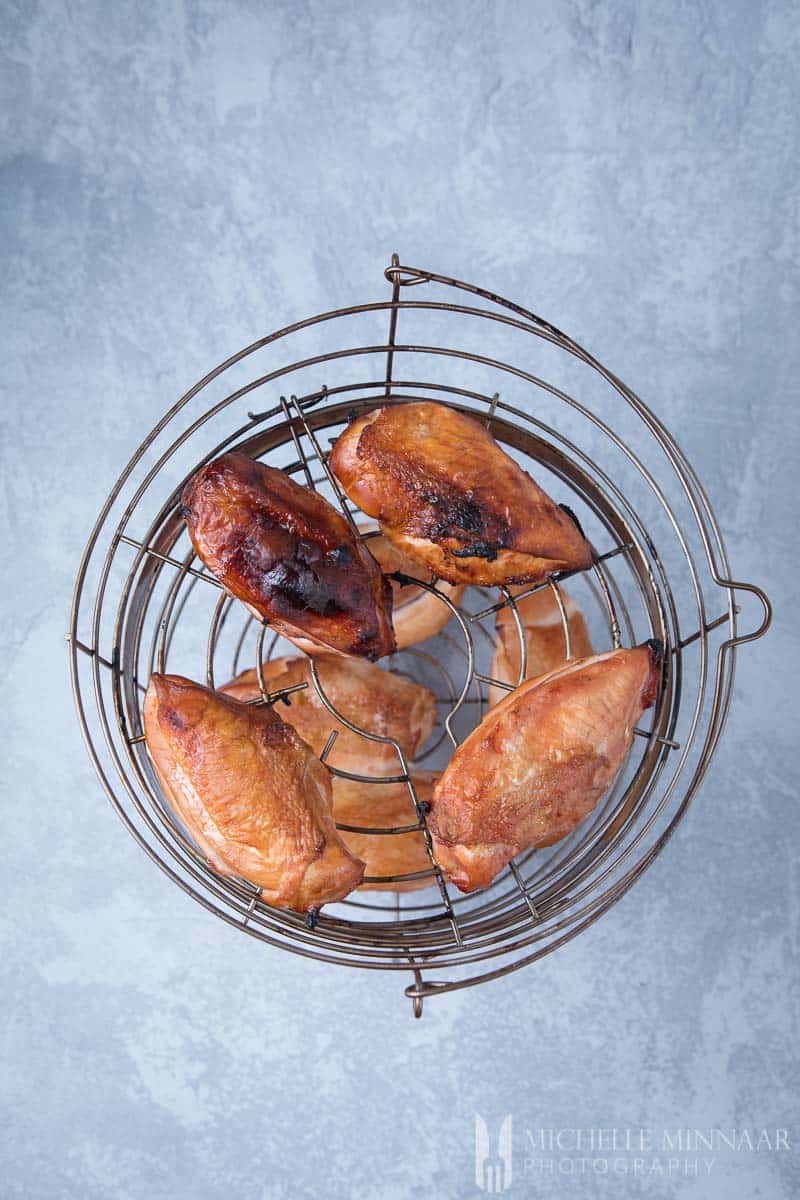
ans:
(143, 602)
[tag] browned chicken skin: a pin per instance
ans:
(369, 697)
(385, 806)
(417, 614)
(448, 496)
(289, 556)
(539, 762)
(543, 629)
(382, 703)
(250, 792)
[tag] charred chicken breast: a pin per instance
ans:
(250, 792)
(539, 762)
(289, 556)
(369, 697)
(543, 630)
(446, 494)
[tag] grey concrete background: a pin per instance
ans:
(178, 178)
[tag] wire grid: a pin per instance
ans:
(544, 897)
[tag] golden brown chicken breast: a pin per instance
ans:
(417, 614)
(289, 556)
(385, 806)
(448, 496)
(369, 697)
(539, 762)
(544, 637)
(250, 792)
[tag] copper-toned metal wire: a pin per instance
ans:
(660, 563)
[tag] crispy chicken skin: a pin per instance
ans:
(250, 792)
(539, 762)
(386, 806)
(544, 638)
(416, 613)
(448, 496)
(369, 697)
(289, 556)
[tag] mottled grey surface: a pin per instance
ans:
(178, 179)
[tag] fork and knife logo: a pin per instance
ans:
(493, 1165)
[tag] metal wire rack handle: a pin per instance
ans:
(542, 901)
(732, 586)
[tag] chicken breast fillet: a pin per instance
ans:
(449, 497)
(539, 762)
(369, 697)
(417, 614)
(385, 806)
(543, 630)
(250, 792)
(289, 556)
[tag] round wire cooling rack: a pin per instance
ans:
(143, 602)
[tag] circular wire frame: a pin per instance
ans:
(140, 590)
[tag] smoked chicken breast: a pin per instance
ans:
(416, 613)
(446, 494)
(289, 556)
(386, 806)
(539, 762)
(544, 638)
(369, 697)
(250, 792)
